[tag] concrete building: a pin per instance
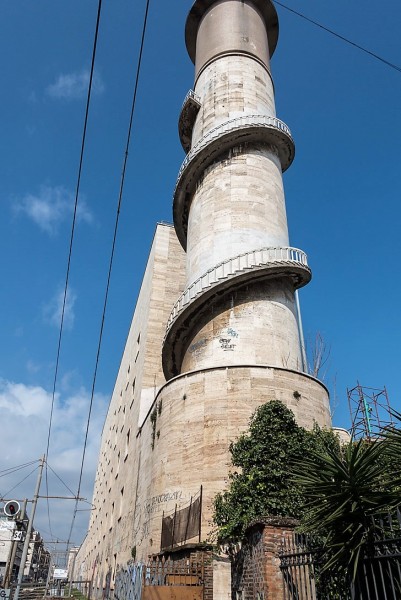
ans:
(37, 560)
(216, 330)
(7, 528)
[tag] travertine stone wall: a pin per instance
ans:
(255, 324)
(238, 207)
(238, 204)
(231, 87)
(198, 414)
(185, 425)
(115, 519)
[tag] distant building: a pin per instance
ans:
(9, 550)
(216, 330)
(38, 558)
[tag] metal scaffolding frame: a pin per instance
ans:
(370, 412)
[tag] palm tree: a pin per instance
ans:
(345, 490)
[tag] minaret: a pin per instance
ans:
(239, 306)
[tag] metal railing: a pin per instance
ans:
(243, 122)
(52, 590)
(378, 576)
(232, 266)
(191, 96)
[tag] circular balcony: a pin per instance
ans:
(256, 264)
(186, 121)
(244, 129)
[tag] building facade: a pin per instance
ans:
(216, 330)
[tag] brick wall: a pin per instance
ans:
(256, 571)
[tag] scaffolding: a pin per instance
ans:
(370, 412)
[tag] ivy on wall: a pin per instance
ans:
(262, 484)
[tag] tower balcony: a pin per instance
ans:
(259, 129)
(244, 268)
(186, 121)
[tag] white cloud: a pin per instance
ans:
(22, 401)
(51, 206)
(25, 412)
(72, 86)
(53, 310)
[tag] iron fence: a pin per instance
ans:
(378, 576)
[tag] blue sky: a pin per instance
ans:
(342, 193)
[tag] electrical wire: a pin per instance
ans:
(10, 470)
(19, 483)
(341, 37)
(120, 195)
(70, 248)
(59, 478)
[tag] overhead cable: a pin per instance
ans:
(19, 483)
(120, 195)
(71, 245)
(11, 470)
(341, 37)
(59, 478)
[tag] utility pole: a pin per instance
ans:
(29, 529)
(13, 552)
(71, 573)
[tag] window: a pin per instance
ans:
(121, 503)
(127, 444)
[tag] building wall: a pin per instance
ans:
(198, 415)
(114, 523)
(255, 324)
(7, 527)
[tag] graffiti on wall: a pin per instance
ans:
(150, 510)
(128, 582)
(153, 504)
(197, 347)
(227, 337)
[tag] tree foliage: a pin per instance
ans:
(262, 484)
(346, 489)
(339, 493)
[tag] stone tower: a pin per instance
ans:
(239, 305)
(217, 305)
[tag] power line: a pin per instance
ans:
(11, 470)
(59, 478)
(341, 37)
(70, 248)
(120, 195)
(19, 483)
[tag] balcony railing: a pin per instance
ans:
(233, 266)
(243, 122)
(191, 96)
